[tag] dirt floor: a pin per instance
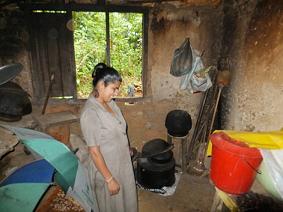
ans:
(192, 193)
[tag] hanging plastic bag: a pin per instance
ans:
(197, 79)
(182, 60)
(188, 64)
(200, 81)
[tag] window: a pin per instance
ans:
(115, 38)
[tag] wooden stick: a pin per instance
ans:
(48, 93)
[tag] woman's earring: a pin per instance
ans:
(96, 94)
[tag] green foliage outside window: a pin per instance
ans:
(125, 48)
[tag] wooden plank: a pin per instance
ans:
(55, 119)
(67, 59)
(145, 54)
(35, 59)
(52, 52)
(84, 7)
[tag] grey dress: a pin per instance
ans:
(101, 128)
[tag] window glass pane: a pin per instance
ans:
(89, 44)
(126, 50)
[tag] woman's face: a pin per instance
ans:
(106, 93)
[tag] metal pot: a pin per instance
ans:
(156, 166)
(14, 102)
(178, 123)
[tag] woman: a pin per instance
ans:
(104, 129)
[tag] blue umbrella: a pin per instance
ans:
(39, 171)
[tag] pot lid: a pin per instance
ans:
(178, 123)
(8, 72)
(157, 150)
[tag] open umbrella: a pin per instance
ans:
(22, 190)
(70, 175)
(39, 171)
(25, 134)
(21, 196)
(59, 156)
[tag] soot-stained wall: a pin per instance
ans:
(254, 98)
(14, 38)
(168, 27)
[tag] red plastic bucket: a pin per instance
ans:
(233, 165)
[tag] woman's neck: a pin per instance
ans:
(105, 105)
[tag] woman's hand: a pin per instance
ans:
(113, 186)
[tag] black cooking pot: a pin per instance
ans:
(157, 150)
(156, 166)
(178, 123)
(14, 102)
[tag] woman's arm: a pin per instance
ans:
(100, 164)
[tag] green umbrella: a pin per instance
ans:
(59, 156)
(70, 175)
(21, 196)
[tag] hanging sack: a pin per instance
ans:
(182, 60)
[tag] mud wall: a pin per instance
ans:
(168, 27)
(254, 100)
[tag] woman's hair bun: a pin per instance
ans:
(104, 73)
(99, 66)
